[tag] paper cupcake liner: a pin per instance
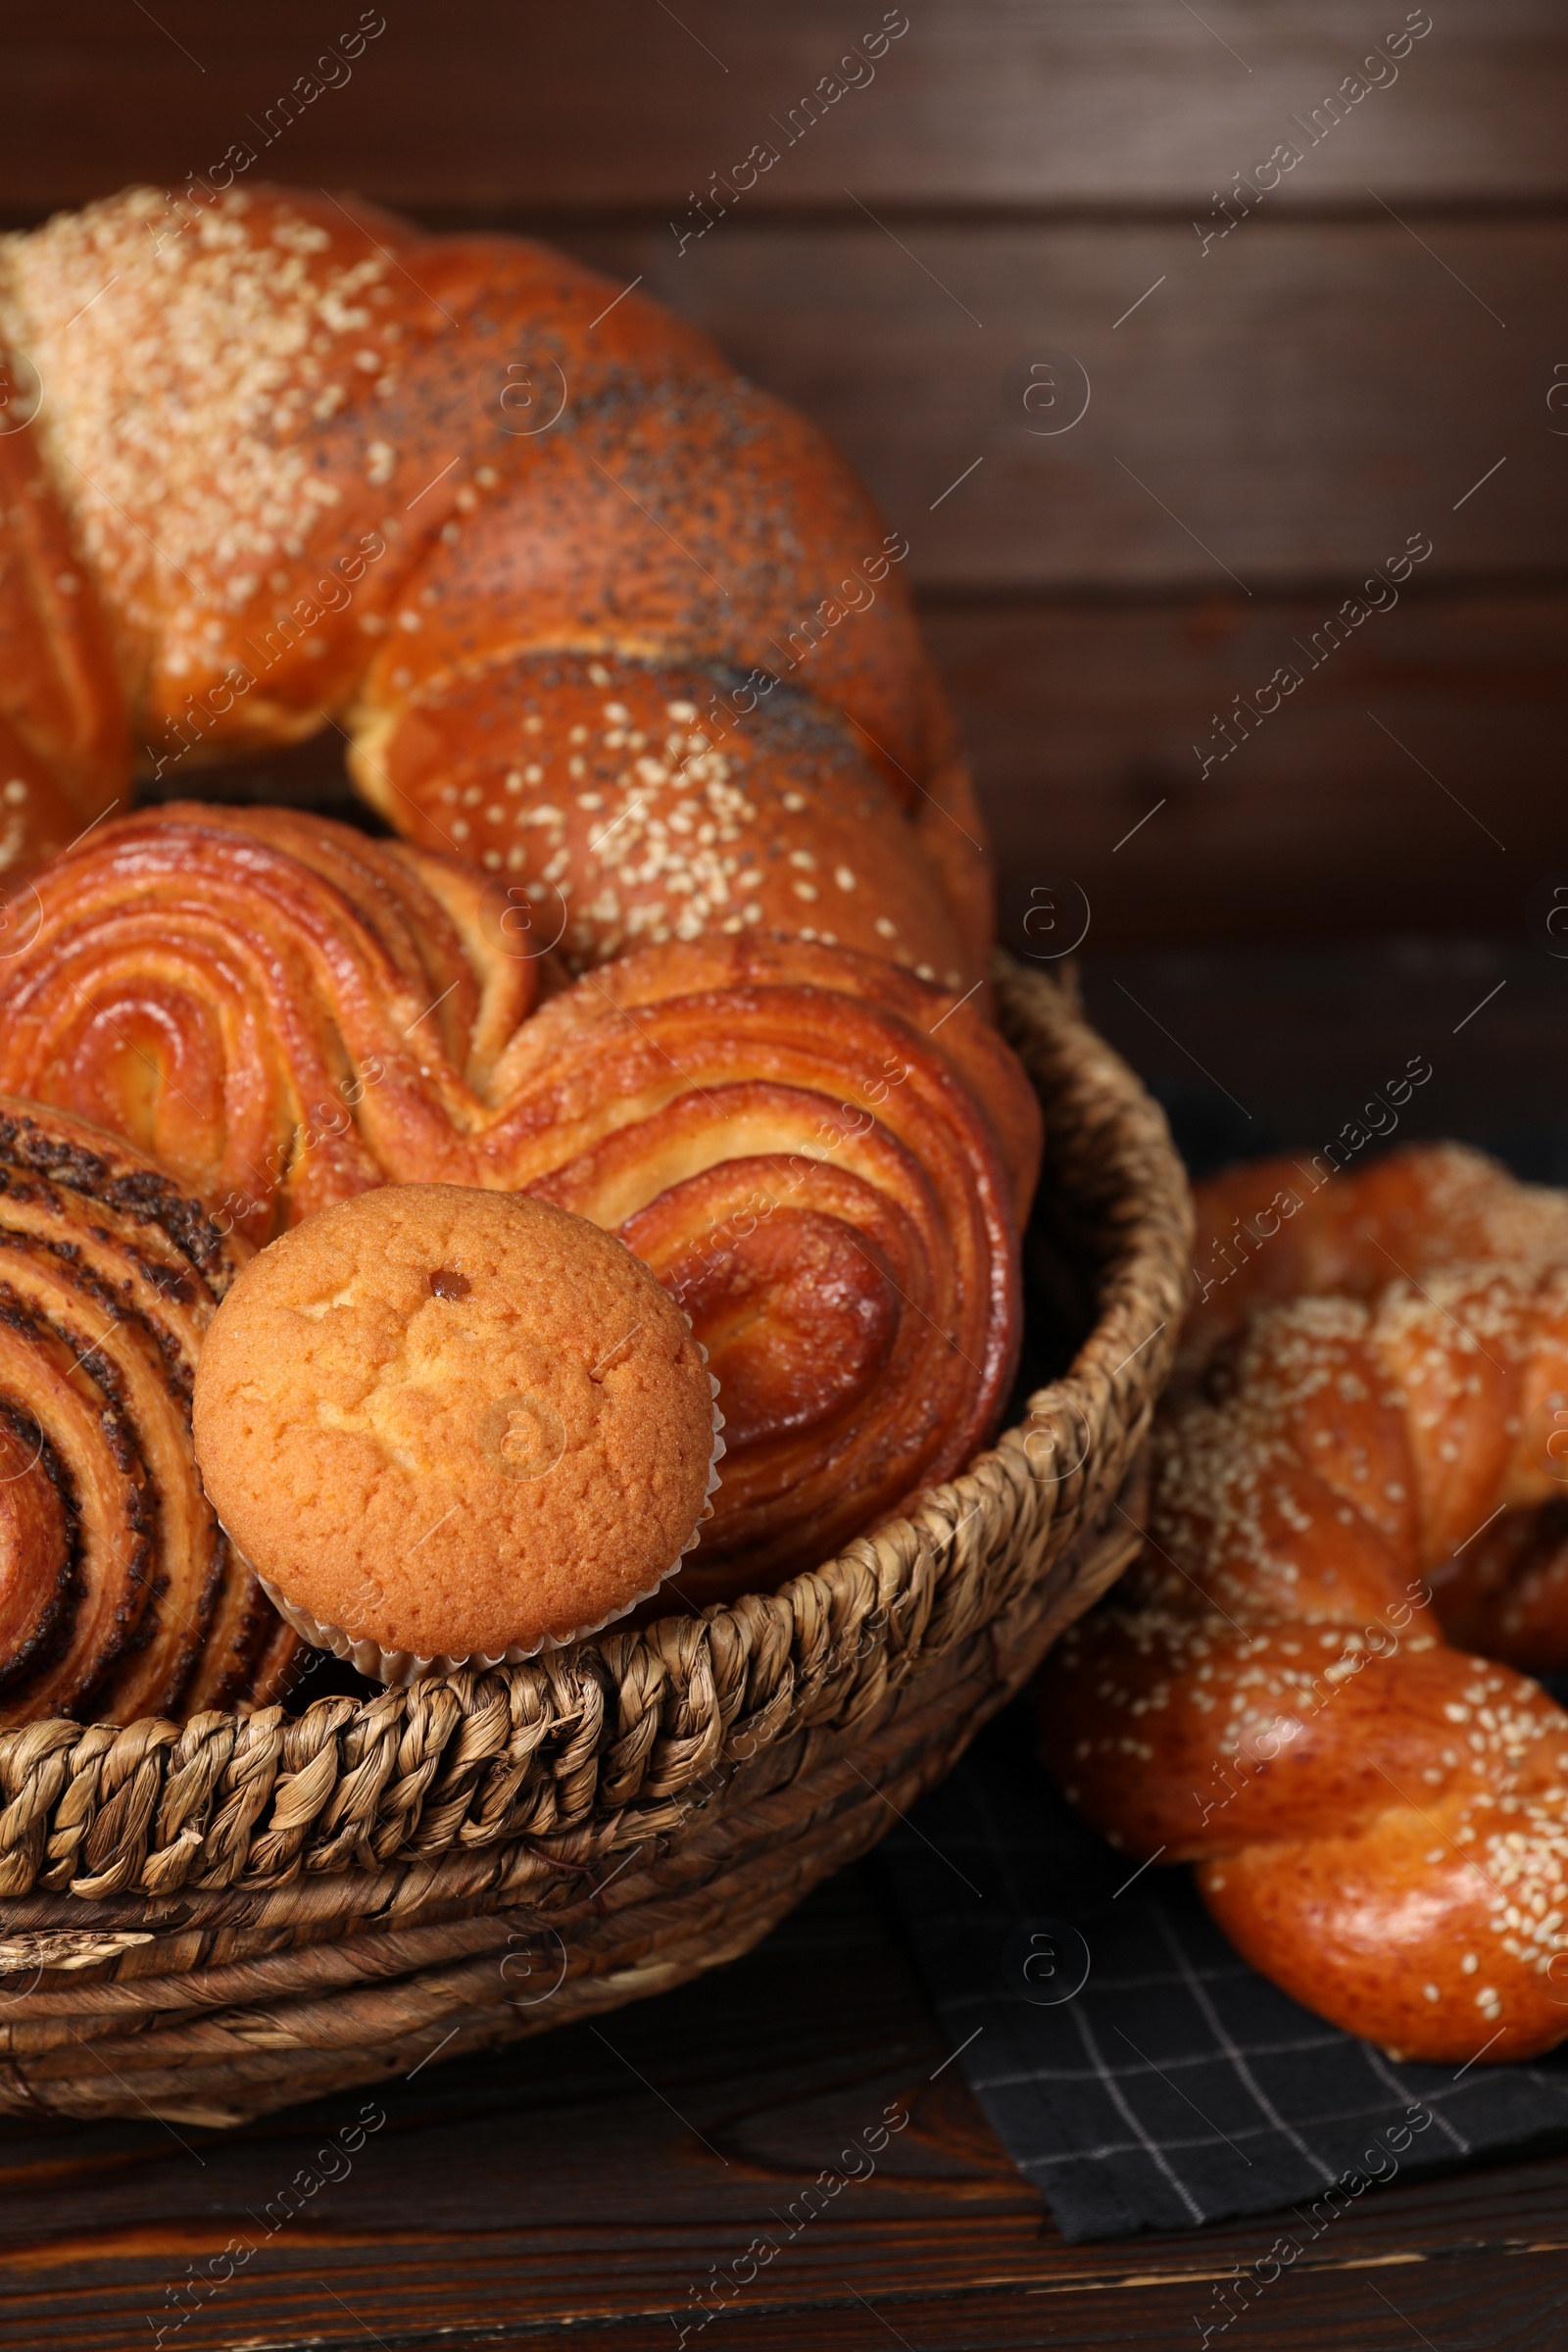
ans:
(401, 1666)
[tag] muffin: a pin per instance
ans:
(452, 1427)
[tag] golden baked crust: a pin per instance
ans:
(272, 1005)
(454, 1422)
(824, 1159)
(1352, 1495)
(525, 536)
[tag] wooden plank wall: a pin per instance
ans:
(1285, 385)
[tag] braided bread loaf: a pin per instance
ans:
(1353, 1494)
(597, 614)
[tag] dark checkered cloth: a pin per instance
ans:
(1178, 2085)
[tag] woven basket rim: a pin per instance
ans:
(643, 1719)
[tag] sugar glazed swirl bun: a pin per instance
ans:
(597, 614)
(276, 1009)
(119, 1595)
(824, 1159)
(827, 1164)
(1354, 1495)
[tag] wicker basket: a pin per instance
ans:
(207, 1922)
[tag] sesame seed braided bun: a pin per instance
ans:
(1308, 1683)
(596, 614)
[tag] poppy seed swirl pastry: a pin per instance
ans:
(1309, 1682)
(120, 1595)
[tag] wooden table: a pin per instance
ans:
(594, 2179)
(590, 2181)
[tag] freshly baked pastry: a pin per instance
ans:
(119, 1595)
(1289, 1227)
(827, 1163)
(604, 622)
(825, 1159)
(65, 732)
(597, 613)
(449, 1427)
(277, 1010)
(1352, 1495)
